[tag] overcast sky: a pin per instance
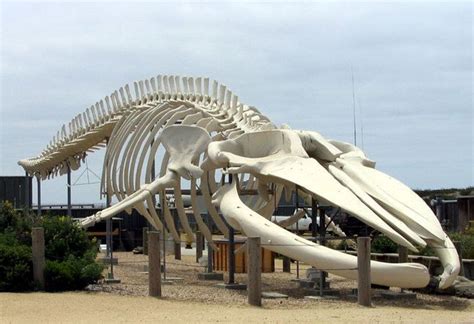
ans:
(412, 66)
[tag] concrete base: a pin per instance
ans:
(210, 276)
(106, 260)
(112, 281)
(173, 278)
(233, 286)
(320, 298)
(316, 292)
(273, 295)
(306, 283)
(388, 294)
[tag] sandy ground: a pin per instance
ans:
(194, 301)
(100, 307)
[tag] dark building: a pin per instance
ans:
(17, 190)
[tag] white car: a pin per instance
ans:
(304, 224)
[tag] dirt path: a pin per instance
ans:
(85, 307)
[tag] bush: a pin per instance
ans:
(467, 243)
(71, 274)
(16, 269)
(382, 244)
(70, 255)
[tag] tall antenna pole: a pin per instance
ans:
(354, 107)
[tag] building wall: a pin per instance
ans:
(17, 190)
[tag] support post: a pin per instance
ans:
(177, 250)
(154, 268)
(314, 222)
(209, 247)
(402, 254)
(231, 256)
(38, 182)
(322, 242)
(199, 243)
(145, 240)
(364, 297)
(37, 248)
(254, 271)
(27, 192)
(69, 204)
(286, 264)
(297, 233)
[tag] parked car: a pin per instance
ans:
(303, 225)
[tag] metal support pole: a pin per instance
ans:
(69, 205)
(177, 250)
(363, 269)
(254, 271)
(38, 182)
(163, 235)
(314, 221)
(297, 203)
(231, 256)
(199, 243)
(27, 192)
(145, 240)
(209, 248)
(286, 264)
(154, 268)
(37, 237)
(322, 242)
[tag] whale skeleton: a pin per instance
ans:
(200, 129)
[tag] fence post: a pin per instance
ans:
(154, 268)
(363, 266)
(254, 271)
(37, 237)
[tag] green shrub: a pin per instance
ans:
(70, 255)
(382, 244)
(71, 274)
(65, 238)
(16, 270)
(467, 243)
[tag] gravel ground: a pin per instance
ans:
(194, 301)
(131, 270)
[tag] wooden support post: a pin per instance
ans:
(37, 237)
(254, 271)
(199, 241)
(364, 297)
(402, 254)
(154, 268)
(286, 264)
(145, 240)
